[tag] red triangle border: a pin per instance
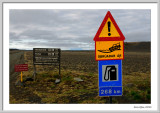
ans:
(97, 38)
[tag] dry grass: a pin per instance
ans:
(136, 80)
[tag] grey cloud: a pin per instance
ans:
(53, 44)
(133, 20)
(73, 28)
(137, 36)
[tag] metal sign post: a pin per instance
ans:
(109, 52)
(46, 56)
(110, 99)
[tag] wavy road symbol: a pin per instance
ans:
(111, 49)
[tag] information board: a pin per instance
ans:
(46, 56)
(21, 67)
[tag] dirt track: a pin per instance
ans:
(18, 58)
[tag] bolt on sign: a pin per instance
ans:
(46, 56)
(109, 40)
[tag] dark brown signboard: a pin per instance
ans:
(46, 56)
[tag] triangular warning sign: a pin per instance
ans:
(109, 30)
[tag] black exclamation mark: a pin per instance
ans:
(109, 28)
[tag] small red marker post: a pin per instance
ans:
(21, 68)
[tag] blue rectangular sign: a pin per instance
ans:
(110, 73)
(110, 91)
(110, 77)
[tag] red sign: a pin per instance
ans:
(109, 30)
(21, 67)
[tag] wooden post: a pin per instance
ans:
(21, 77)
(34, 74)
(60, 64)
(34, 66)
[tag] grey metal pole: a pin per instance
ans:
(110, 99)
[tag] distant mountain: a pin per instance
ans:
(13, 49)
(128, 47)
(137, 46)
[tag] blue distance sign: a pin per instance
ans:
(110, 77)
(110, 91)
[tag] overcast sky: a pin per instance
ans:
(72, 29)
